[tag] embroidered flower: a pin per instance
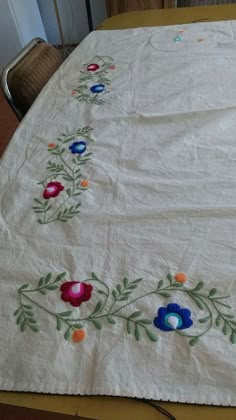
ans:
(76, 292)
(173, 318)
(78, 147)
(52, 189)
(52, 145)
(200, 39)
(112, 67)
(78, 336)
(93, 67)
(84, 183)
(74, 92)
(181, 277)
(97, 88)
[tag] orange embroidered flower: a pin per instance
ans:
(52, 145)
(84, 183)
(78, 336)
(181, 277)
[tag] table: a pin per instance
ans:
(110, 408)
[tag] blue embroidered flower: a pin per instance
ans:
(173, 318)
(78, 147)
(97, 88)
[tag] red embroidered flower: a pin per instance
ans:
(53, 189)
(112, 67)
(76, 292)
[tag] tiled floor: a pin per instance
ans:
(8, 123)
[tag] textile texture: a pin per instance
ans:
(118, 227)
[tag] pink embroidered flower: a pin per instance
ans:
(112, 67)
(73, 92)
(53, 189)
(93, 67)
(76, 292)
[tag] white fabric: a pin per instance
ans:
(162, 196)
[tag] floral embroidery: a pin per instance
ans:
(76, 292)
(94, 80)
(181, 277)
(64, 178)
(173, 318)
(178, 39)
(78, 147)
(52, 189)
(78, 336)
(112, 305)
(97, 88)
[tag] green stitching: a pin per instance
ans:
(69, 172)
(110, 309)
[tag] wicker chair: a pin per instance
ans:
(25, 76)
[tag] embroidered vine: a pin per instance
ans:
(64, 177)
(114, 305)
(94, 81)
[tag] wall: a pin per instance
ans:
(20, 21)
(73, 17)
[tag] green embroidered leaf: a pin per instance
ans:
(40, 221)
(198, 301)
(212, 292)
(128, 326)
(151, 335)
(31, 321)
(176, 284)
(41, 282)
(199, 286)
(43, 292)
(233, 338)
(79, 326)
(34, 328)
(132, 287)
(170, 277)
(218, 320)
(97, 324)
(97, 308)
(59, 277)
(94, 276)
(67, 334)
(114, 294)
(17, 311)
(28, 306)
(38, 201)
(28, 313)
(233, 322)
(203, 320)
(164, 294)
(137, 333)
(229, 316)
(110, 320)
(59, 324)
(136, 281)
(123, 298)
(145, 321)
(119, 288)
(135, 314)
(65, 314)
(101, 292)
(39, 211)
(23, 326)
(226, 329)
(52, 287)
(48, 278)
(160, 284)
(20, 319)
(194, 341)
(23, 287)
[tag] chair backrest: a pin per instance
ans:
(25, 76)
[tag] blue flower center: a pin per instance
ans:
(173, 320)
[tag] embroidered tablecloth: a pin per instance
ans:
(118, 222)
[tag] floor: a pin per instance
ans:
(8, 123)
